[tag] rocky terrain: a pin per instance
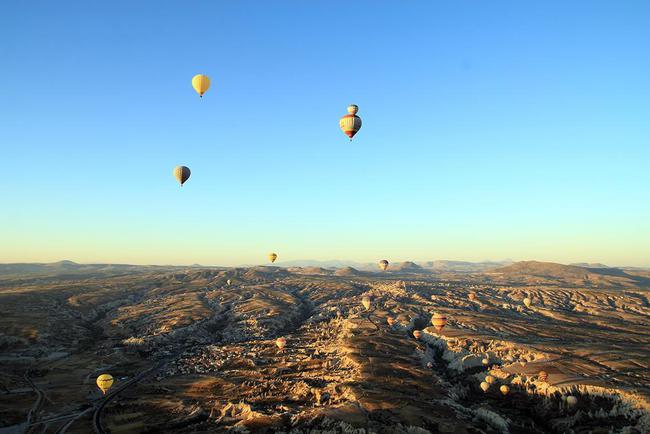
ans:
(193, 349)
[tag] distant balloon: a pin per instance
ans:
(200, 83)
(281, 343)
(383, 264)
(351, 123)
(390, 320)
(471, 296)
(182, 174)
(571, 400)
(438, 320)
(485, 361)
(542, 376)
(228, 282)
(485, 386)
(417, 334)
(522, 362)
(489, 379)
(504, 389)
(273, 257)
(104, 382)
(365, 301)
(527, 302)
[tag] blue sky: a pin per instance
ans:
(490, 130)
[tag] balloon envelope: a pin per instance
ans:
(365, 301)
(281, 342)
(390, 320)
(200, 83)
(504, 389)
(485, 386)
(350, 124)
(439, 321)
(489, 379)
(527, 302)
(383, 264)
(417, 334)
(273, 257)
(182, 174)
(543, 376)
(571, 400)
(104, 382)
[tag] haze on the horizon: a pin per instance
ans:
(490, 131)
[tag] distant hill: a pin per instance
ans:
(406, 267)
(348, 271)
(462, 266)
(589, 265)
(549, 273)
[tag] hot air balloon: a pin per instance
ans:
(522, 362)
(351, 123)
(504, 389)
(429, 365)
(281, 343)
(390, 320)
(571, 400)
(365, 301)
(417, 334)
(471, 296)
(104, 382)
(228, 282)
(182, 174)
(542, 376)
(484, 386)
(438, 320)
(383, 264)
(489, 379)
(273, 257)
(527, 302)
(485, 361)
(200, 83)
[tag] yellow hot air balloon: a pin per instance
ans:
(281, 343)
(390, 320)
(182, 174)
(542, 376)
(439, 321)
(351, 123)
(104, 382)
(489, 379)
(527, 302)
(200, 83)
(383, 264)
(417, 334)
(365, 301)
(504, 389)
(485, 361)
(571, 400)
(484, 386)
(273, 257)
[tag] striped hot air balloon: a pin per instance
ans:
(439, 321)
(351, 123)
(182, 174)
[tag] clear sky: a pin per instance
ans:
(491, 130)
